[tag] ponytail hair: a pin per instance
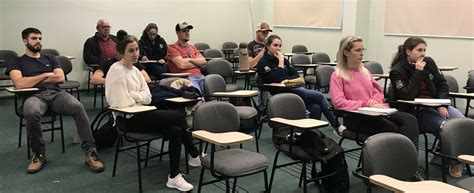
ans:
(409, 44)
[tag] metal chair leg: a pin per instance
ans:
(140, 190)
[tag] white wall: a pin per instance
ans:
(365, 18)
(66, 24)
(318, 40)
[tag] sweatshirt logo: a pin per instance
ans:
(267, 69)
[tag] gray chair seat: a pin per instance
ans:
(236, 162)
(233, 87)
(246, 112)
(4, 77)
(467, 183)
(70, 84)
(310, 79)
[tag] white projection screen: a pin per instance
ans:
(433, 18)
(308, 13)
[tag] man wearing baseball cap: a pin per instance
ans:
(185, 58)
(256, 47)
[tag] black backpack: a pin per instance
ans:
(103, 129)
(331, 154)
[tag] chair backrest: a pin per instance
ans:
(66, 64)
(320, 57)
(6, 55)
(374, 67)
(300, 59)
(452, 83)
(229, 45)
(236, 51)
(213, 83)
(470, 82)
(213, 53)
(49, 51)
(202, 46)
(456, 137)
(299, 48)
(286, 105)
(323, 76)
(216, 116)
(390, 154)
(220, 66)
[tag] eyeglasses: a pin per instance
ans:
(105, 26)
(360, 50)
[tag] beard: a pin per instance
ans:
(32, 48)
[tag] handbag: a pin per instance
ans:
(295, 82)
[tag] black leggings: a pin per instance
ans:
(400, 122)
(172, 125)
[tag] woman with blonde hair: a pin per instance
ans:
(353, 86)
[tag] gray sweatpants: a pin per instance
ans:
(59, 102)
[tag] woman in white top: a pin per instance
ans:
(125, 86)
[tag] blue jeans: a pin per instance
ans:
(198, 82)
(430, 119)
(312, 97)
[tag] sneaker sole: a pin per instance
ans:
(182, 190)
(95, 170)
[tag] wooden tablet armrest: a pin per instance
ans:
(237, 94)
(461, 95)
(134, 109)
(388, 183)
(469, 159)
(22, 90)
(223, 139)
(395, 185)
(300, 123)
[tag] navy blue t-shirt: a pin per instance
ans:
(34, 66)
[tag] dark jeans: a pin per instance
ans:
(400, 122)
(59, 102)
(154, 70)
(172, 125)
(311, 97)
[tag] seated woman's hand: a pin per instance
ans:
(379, 105)
(135, 96)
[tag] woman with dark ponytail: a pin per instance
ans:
(414, 75)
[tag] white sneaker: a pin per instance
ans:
(341, 129)
(195, 162)
(179, 183)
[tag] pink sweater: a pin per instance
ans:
(354, 94)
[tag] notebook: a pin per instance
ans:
(376, 111)
(243, 60)
(432, 101)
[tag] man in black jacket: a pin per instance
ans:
(101, 46)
